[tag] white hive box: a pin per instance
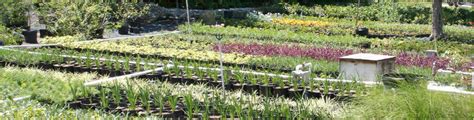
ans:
(365, 66)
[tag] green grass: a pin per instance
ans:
(412, 102)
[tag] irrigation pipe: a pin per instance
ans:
(97, 82)
(16, 99)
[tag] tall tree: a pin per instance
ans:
(437, 22)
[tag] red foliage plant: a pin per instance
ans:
(323, 53)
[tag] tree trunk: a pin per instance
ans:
(437, 28)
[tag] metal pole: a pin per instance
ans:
(219, 38)
(187, 12)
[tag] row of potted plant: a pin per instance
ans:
(377, 29)
(287, 34)
(190, 101)
(263, 84)
(324, 53)
(114, 66)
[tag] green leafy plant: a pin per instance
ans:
(116, 93)
(145, 98)
(190, 104)
(104, 100)
(159, 100)
(73, 89)
(131, 95)
(173, 101)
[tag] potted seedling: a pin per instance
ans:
(173, 102)
(176, 75)
(104, 100)
(188, 75)
(126, 66)
(118, 67)
(295, 91)
(201, 76)
(190, 106)
(253, 86)
(138, 64)
(132, 99)
(281, 89)
(266, 88)
(117, 97)
(89, 101)
(145, 99)
(240, 80)
(215, 79)
(109, 66)
(238, 108)
(206, 106)
(331, 93)
(158, 101)
(76, 103)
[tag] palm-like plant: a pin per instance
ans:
(145, 97)
(103, 98)
(131, 96)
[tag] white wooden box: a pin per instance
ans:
(365, 66)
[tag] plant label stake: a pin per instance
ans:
(219, 39)
(302, 75)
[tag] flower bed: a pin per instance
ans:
(323, 53)
(287, 35)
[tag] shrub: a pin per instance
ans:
(8, 37)
(69, 19)
(13, 13)
(385, 11)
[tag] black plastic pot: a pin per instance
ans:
(250, 88)
(266, 90)
(280, 91)
(295, 93)
(1, 43)
(314, 94)
(175, 79)
(331, 94)
(237, 86)
(136, 30)
(99, 33)
(44, 33)
(74, 104)
(124, 29)
(31, 36)
(362, 31)
(228, 14)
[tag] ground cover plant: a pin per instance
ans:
(44, 85)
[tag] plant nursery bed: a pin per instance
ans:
(249, 66)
